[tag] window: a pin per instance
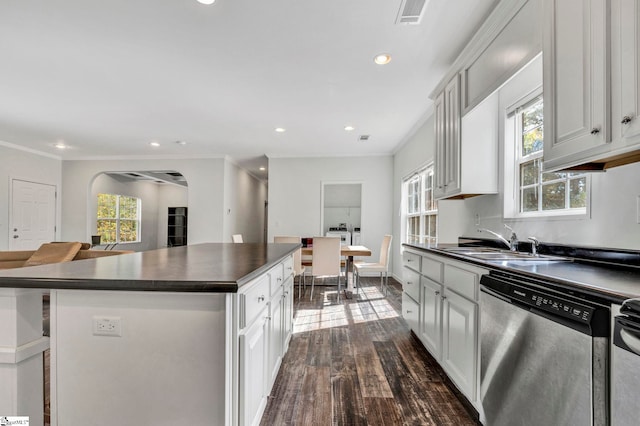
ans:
(118, 219)
(421, 209)
(541, 193)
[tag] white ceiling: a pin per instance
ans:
(106, 78)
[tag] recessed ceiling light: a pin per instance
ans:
(280, 129)
(154, 144)
(262, 169)
(382, 58)
(349, 128)
(60, 145)
(206, 1)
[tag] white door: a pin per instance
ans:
(33, 215)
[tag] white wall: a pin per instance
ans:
(295, 187)
(244, 201)
(20, 164)
(206, 189)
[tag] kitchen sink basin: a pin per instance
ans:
(487, 253)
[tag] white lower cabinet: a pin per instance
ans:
(448, 315)
(266, 323)
(431, 316)
(254, 346)
(460, 341)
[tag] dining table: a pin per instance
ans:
(349, 252)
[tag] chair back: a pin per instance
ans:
(385, 250)
(297, 255)
(236, 238)
(326, 256)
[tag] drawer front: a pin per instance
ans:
(432, 268)
(411, 313)
(411, 284)
(277, 278)
(411, 260)
(254, 300)
(288, 267)
(465, 283)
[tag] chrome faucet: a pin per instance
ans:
(511, 243)
(534, 246)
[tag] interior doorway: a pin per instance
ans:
(342, 209)
(33, 214)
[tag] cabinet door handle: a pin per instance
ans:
(409, 283)
(595, 131)
(626, 120)
(444, 297)
(409, 312)
(267, 318)
(437, 292)
(261, 299)
(278, 279)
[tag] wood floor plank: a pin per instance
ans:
(382, 412)
(314, 406)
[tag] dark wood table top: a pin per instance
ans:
(208, 267)
(344, 251)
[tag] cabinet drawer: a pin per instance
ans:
(462, 281)
(277, 278)
(411, 312)
(432, 269)
(254, 300)
(411, 260)
(411, 284)
(288, 267)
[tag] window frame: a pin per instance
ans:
(513, 159)
(118, 219)
(419, 184)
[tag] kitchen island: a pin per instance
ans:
(191, 335)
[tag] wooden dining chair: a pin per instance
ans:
(325, 260)
(381, 266)
(236, 238)
(298, 267)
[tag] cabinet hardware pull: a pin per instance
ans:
(267, 318)
(261, 299)
(278, 279)
(626, 120)
(437, 292)
(444, 297)
(409, 312)
(595, 131)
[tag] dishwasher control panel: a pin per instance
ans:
(544, 301)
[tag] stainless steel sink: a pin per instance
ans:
(486, 253)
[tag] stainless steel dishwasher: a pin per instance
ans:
(543, 354)
(625, 365)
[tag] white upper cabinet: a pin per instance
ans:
(590, 83)
(447, 122)
(625, 72)
(466, 149)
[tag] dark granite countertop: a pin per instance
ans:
(611, 282)
(208, 267)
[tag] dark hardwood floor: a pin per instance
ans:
(355, 362)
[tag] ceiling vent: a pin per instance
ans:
(363, 138)
(411, 11)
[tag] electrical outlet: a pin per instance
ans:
(107, 326)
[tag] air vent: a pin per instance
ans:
(411, 11)
(363, 138)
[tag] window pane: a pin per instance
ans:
(107, 230)
(413, 229)
(578, 193)
(107, 205)
(128, 207)
(529, 173)
(553, 196)
(432, 226)
(128, 231)
(546, 177)
(530, 199)
(532, 134)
